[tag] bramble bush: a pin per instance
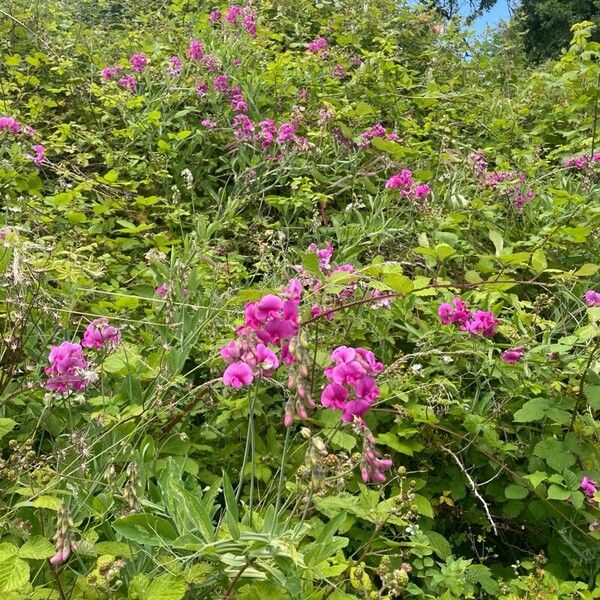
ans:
(298, 300)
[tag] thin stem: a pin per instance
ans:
(281, 477)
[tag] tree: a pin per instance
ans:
(547, 24)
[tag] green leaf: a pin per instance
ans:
(145, 529)
(14, 573)
(532, 410)
(537, 478)
(6, 426)
(515, 492)
(592, 394)
(538, 261)
(38, 548)
(556, 492)
(497, 240)
(165, 587)
(444, 251)
(422, 506)
(115, 549)
(439, 544)
(587, 270)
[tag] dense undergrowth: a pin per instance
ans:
(298, 301)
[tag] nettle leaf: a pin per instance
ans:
(14, 572)
(165, 587)
(6, 426)
(556, 492)
(532, 410)
(515, 492)
(592, 394)
(554, 453)
(37, 547)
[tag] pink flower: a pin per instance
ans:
(355, 408)
(61, 555)
(372, 465)
(577, 162)
(238, 375)
(334, 396)
(343, 354)
(401, 181)
(243, 127)
(233, 12)
(208, 123)
(266, 359)
(588, 487)
(221, 84)
(214, 16)
(338, 72)
(175, 66)
(249, 23)
(202, 89)
(100, 334)
(269, 306)
(483, 322)
(457, 312)
(66, 370)
(592, 298)
(210, 62)
(318, 46)
(422, 190)
(162, 290)
(268, 130)
(513, 356)
(286, 133)
(138, 61)
(109, 73)
(40, 154)
(323, 254)
(10, 124)
(129, 82)
(195, 50)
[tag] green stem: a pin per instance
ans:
(281, 477)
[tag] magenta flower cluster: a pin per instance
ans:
(272, 320)
(351, 386)
(10, 124)
(589, 487)
(377, 131)
(592, 298)
(69, 370)
(100, 334)
(403, 182)
(481, 322)
(236, 15)
(318, 46)
(582, 162)
(512, 184)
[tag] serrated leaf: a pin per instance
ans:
(14, 574)
(515, 492)
(556, 492)
(6, 426)
(165, 587)
(37, 548)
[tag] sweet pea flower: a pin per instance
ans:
(66, 370)
(483, 322)
(237, 375)
(128, 82)
(334, 396)
(162, 290)
(318, 46)
(195, 50)
(138, 62)
(100, 334)
(589, 487)
(40, 154)
(214, 16)
(221, 84)
(109, 73)
(175, 66)
(286, 133)
(592, 298)
(513, 356)
(457, 312)
(10, 124)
